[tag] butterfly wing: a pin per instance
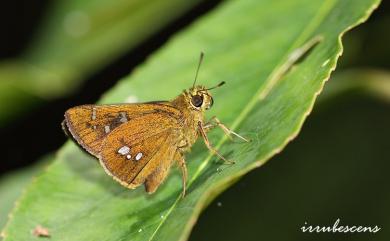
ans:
(89, 125)
(145, 157)
(135, 143)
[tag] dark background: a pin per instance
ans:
(18, 19)
(338, 167)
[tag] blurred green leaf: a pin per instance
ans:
(12, 185)
(374, 82)
(76, 39)
(250, 45)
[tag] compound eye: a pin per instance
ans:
(197, 100)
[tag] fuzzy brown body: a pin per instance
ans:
(138, 143)
(190, 118)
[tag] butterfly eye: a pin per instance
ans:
(197, 100)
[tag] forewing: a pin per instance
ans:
(89, 125)
(135, 150)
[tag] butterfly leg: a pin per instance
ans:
(182, 164)
(209, 146)
(214, 122)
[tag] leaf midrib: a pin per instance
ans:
(322, 12)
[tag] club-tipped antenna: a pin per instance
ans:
(218, 85)
(197, 70)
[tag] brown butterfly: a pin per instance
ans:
(137, 143)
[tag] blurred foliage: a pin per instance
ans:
(76, 39)
(96, 207)
(368, 46)
(12, 185)
(373, 82)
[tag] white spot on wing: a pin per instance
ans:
(123, 118)
(138, 156)
(124, 150)
(93, 113)
(106, 129)
(128, 157)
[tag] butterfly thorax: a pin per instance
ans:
(192, 103)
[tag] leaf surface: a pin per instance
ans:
(337, 168)
(13, 184)
(275, 57)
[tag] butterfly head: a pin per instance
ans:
(200, 98)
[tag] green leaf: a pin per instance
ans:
(12, 185)
(76, 39)
(336, 168)
(249, 44)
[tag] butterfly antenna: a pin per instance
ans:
(197, 70)
(218, 85)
